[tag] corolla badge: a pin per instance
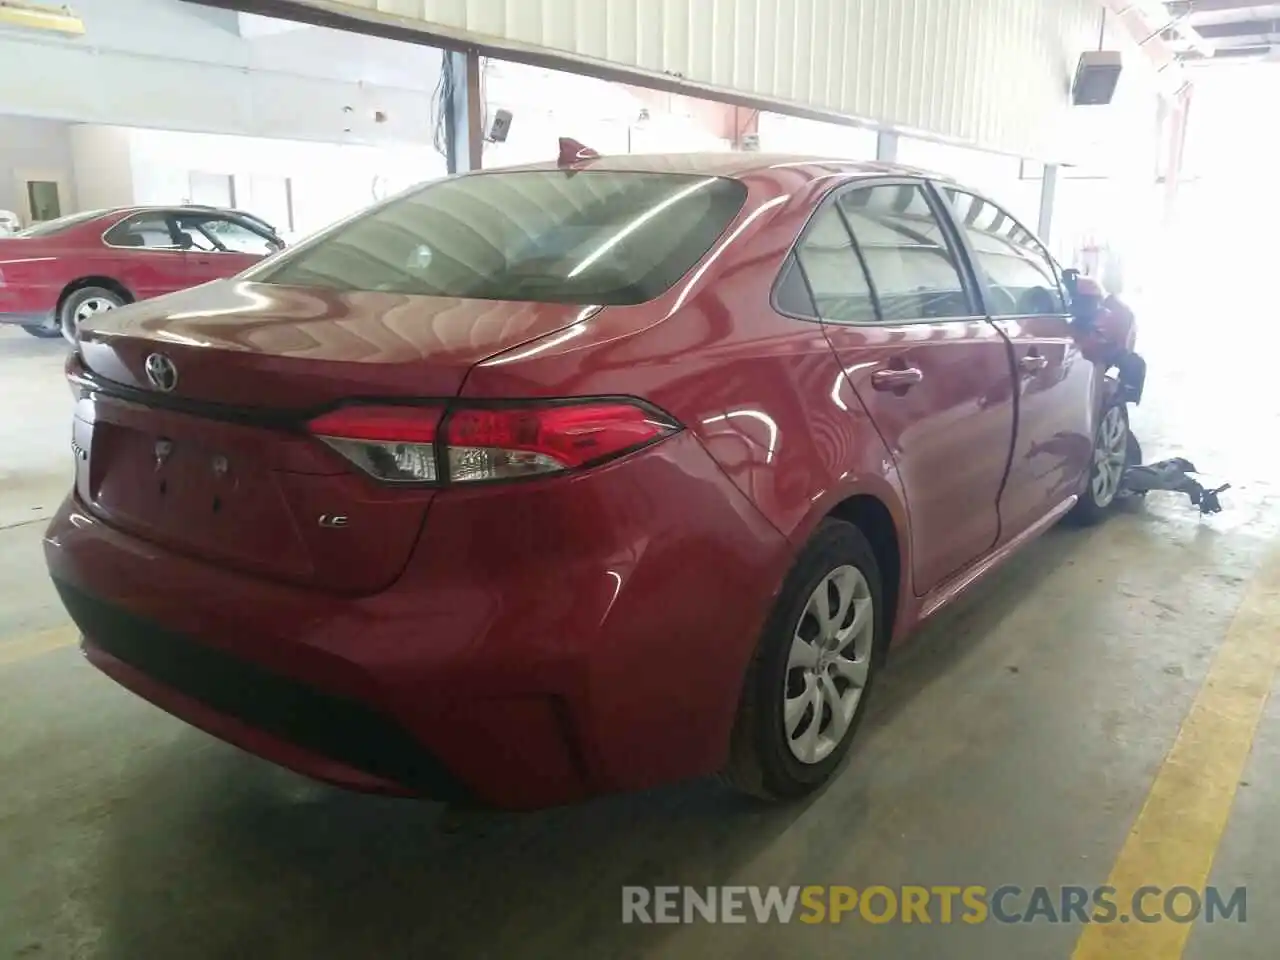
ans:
(161, 372)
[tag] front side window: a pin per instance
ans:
(218, 234)
(568, 236)
(1018, 276)
(191, 232)
(148, 231)
(910, 263)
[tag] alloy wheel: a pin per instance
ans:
(92, 306)
(829, 663)
(1109, 456)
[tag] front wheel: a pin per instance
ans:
(806, 689)
(83, 304)
(1111, 453)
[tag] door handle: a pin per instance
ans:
(1033, 363)
(902, 378)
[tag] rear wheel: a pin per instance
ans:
(83, 304)
(1111, 452)
(807, 688)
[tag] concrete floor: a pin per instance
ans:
(1013, 742)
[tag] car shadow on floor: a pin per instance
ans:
(17, 344)
(213, 853)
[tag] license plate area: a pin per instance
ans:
(196, 485)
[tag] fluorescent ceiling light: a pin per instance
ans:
(39, 16)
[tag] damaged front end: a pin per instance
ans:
(1107, 332)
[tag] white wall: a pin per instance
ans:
(32, 149)
(173, 65)
(103, 166)
(783, 134)
(608, 117)
(992, 72)
(328, 181)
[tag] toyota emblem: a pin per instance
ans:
(161, 372)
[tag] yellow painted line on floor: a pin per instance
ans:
(1175, 838)
(15, 651)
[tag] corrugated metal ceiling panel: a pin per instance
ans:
(992, 72)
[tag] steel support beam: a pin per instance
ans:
(886, 146)
(1176, 146)
(1179, 7)
(1048, 187)
(463, 112)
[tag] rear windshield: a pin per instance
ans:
(49, 228)
(591, 237)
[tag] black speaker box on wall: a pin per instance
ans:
(1096, 76)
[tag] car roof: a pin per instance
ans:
(737, 164)
(178, 208)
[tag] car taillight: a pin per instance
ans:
(394, 444)
(400, 444)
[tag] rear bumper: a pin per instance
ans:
(330, 738)
(564, 639)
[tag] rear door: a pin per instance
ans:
(933, 373)
(1056, 384)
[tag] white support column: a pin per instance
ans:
(887, 146)
(1048, 187)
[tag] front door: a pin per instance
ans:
(218, 246)
(933, 375)
(1056, 384)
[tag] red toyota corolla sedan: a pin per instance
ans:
(57, 274)
(530, 485)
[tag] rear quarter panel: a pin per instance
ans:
(764, 394)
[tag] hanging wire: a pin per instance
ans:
(442, 104)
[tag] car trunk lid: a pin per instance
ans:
(260, 346)
(208, 453)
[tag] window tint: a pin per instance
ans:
(148, 231)
(568, 236)
(911, 266)
(1018, 275)
(831, 266)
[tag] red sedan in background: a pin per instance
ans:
(55, 275)
(534, 484)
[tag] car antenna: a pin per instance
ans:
(573, 152)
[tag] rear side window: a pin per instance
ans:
(911, 265)
(835, 275)
(1019, 278)
(566, 236)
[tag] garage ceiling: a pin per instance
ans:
(1233, 29)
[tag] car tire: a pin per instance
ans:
(80, 304)
(1112, 452)
(45, 331)
(800, 675)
